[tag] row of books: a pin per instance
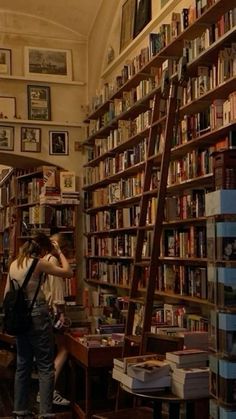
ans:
(191, 205)
(120, 245)
(218, 114)
(185, 242)
(109, 272)
(158, 41)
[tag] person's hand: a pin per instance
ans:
(56, 246)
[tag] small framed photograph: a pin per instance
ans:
(59, 143)
(143, 15)
(6, 138)
(39, 103)
(48, 64)
(5, 61)
(127, 23)
(7, 107)
(31, 139)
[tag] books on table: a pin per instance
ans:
(188, 357)
(135, 384)
(190, 382)
(142, 372)
(149, 370)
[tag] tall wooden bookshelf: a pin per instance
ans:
(119, 127)
(32, 201)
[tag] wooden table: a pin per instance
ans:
(93, 361)
(192, 406)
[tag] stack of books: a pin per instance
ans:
(187, 358)
(142, 373)
(72, 198)
(190, 382)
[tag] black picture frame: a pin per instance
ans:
(59, 143)
(39, 102)
(143, 15)
(127, 23)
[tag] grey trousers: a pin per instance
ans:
(37, 343)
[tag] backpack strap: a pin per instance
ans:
(29, 273)
(27, 278)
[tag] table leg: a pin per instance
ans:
(157, 409)
(174, 410)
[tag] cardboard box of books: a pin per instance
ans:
(221, 201)
(227, 381)
(226, 413)
(226, 287)
(227, 334)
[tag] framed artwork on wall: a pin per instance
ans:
(39, 103)
(127, 23)
(5, 61)
(7, 107)
(6, 138)
(31, 139)
(143, 15)
(48, 64)
(59, 143)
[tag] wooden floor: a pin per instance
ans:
(6, 396)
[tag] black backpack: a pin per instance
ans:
(16, 311)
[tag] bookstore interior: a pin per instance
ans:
(136, 170)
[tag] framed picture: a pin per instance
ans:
(5, 61)
(48, 64)
(31, 139)
(59, 143)
(143, 15)
(67, 181)
(39, 103)
(6, 138)
(127, 23)
(7, 107)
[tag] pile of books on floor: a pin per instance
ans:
(142, 373)
(190, 373)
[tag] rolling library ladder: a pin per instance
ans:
(168, 99)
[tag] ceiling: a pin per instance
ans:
(77, 15)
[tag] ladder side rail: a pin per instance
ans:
(172, 112)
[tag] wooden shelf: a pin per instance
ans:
(34, 79)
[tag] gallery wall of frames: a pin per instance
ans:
(32, 116)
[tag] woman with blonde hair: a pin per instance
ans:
(38, 342)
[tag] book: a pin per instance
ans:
(134, 384)
(187, 356)
(185, 391)
(122, 363)
(191, 375)
(149, 370)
